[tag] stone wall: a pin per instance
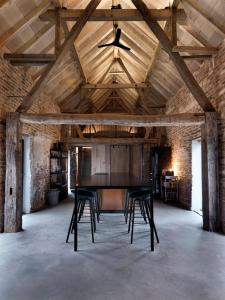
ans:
(15, 82)
(211, 77)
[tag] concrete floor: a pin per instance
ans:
(187, 264)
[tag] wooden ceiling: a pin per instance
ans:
(23, 31)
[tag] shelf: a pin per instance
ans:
(58, 169)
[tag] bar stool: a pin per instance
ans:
(127, 205)
(140, 199)
(84, 197)
(96, 201)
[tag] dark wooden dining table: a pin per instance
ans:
(111, 181)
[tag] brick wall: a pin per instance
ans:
(2, 173)
(15, 81)
(211, 77)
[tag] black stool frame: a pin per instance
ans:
(112, 181)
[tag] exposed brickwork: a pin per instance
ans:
(2, 173)
(14, 81)
(211, 77)
(40, 175)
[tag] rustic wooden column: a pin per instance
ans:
(13, 182)
(210, 189)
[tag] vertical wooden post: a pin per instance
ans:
(57, 31)
(174, 25)
(210, 190)
(13, 183)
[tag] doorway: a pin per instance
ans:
(197, 176)
(26, 173)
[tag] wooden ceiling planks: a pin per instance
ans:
(25, 21)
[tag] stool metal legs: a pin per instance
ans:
(80, 210)
(145, 210)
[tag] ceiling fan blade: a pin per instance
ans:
(123, 47)
(118, 34)
(105, 45)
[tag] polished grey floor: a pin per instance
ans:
(187, 264)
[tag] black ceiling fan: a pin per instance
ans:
(116, 42)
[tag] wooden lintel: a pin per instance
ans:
(115, 86)
(109, 141)
(115, 15)
(195, 49)
(186, 119)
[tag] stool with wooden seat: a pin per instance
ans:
(140, 199)
(84, 197)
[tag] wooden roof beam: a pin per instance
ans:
(70, 97)
(115, 86)
(114, 15)
(102, 78)
(195, 49)
(58, 27)
(196, 57)
(75, 54)
(175, 4)
(74, 33)
(178, 61)
(174, 25)
(139, 90)
(32, 59)
(90, 93)
(185, 119)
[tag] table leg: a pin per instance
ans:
(75, 219)
(152, 220)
